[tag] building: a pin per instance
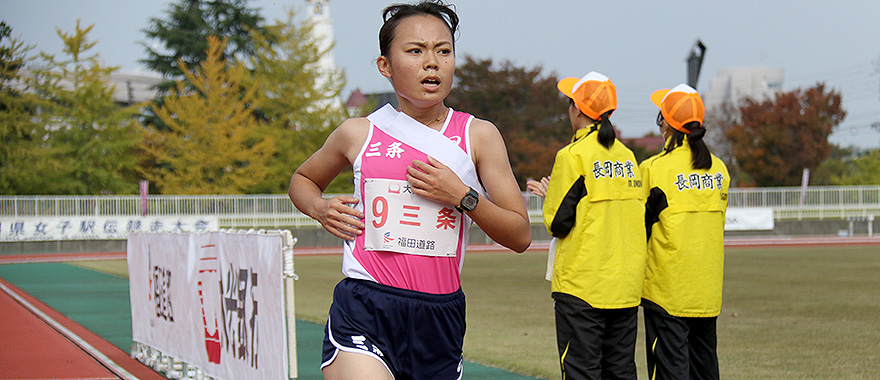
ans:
(650, 142)
(318, 12)
(133, 88)
(731, 85)
(128, 89)
(357, 100)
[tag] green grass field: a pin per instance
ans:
(789, 313)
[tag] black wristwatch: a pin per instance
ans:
(469, 201)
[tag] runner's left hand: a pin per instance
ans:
(435, 181)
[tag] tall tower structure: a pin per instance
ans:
(318, 12)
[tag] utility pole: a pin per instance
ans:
(695, 62)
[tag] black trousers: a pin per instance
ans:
(595, 343)
(680, 348)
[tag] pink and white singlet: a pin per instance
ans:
(382, 163)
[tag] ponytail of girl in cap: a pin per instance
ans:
(596, 97)
(682, 108)
(607, 135)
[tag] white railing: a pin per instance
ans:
(821, 202)
(276, 210)
(233, 211)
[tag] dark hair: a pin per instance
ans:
(607, 134)
(700, 156)
(395, 13)
(606, 130)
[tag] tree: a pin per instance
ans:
(212, 145)
(13, 57)
(182, 36)
(298, 101)
(88, 143)
(527, 108)
(861, 170)
(640, 152)
(848, 166)
(776, 139)
(20, 132)
(718, 121)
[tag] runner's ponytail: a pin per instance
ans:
(607, 135)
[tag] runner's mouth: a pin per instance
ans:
(431, 81)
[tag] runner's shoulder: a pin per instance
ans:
(353, 130)
(484, 131)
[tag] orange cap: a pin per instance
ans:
(679, 106)
(594, 94)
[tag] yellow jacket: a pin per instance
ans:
(685, 221)
(595, 205)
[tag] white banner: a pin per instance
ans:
(752, 218)
(98, 227)
(214, 300)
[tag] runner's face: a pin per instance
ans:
(421, 62)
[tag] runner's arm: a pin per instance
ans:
(310, 179)
(504, 218)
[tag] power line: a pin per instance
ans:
(863, 68)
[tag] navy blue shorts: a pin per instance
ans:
(416, 335)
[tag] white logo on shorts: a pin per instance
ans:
(360, 342)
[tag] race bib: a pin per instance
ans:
(399, 221)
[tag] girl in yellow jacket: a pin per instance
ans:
(686, 188)
(594, 205)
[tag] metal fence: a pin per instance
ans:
(821, 202)
(276, 211)
(233, 211)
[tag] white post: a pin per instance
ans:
(289, 276)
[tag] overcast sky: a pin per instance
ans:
(640, 45)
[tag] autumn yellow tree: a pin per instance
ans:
(299, 100)
(213, 144)
(62, 131)
(21, 131)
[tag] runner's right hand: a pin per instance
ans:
(338, 216)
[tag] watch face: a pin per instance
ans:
(469, 202)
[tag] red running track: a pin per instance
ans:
(37, 342)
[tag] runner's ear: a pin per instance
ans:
(384, 66)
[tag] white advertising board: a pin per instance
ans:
(752, 218)
(213, 300)
(98, 227)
